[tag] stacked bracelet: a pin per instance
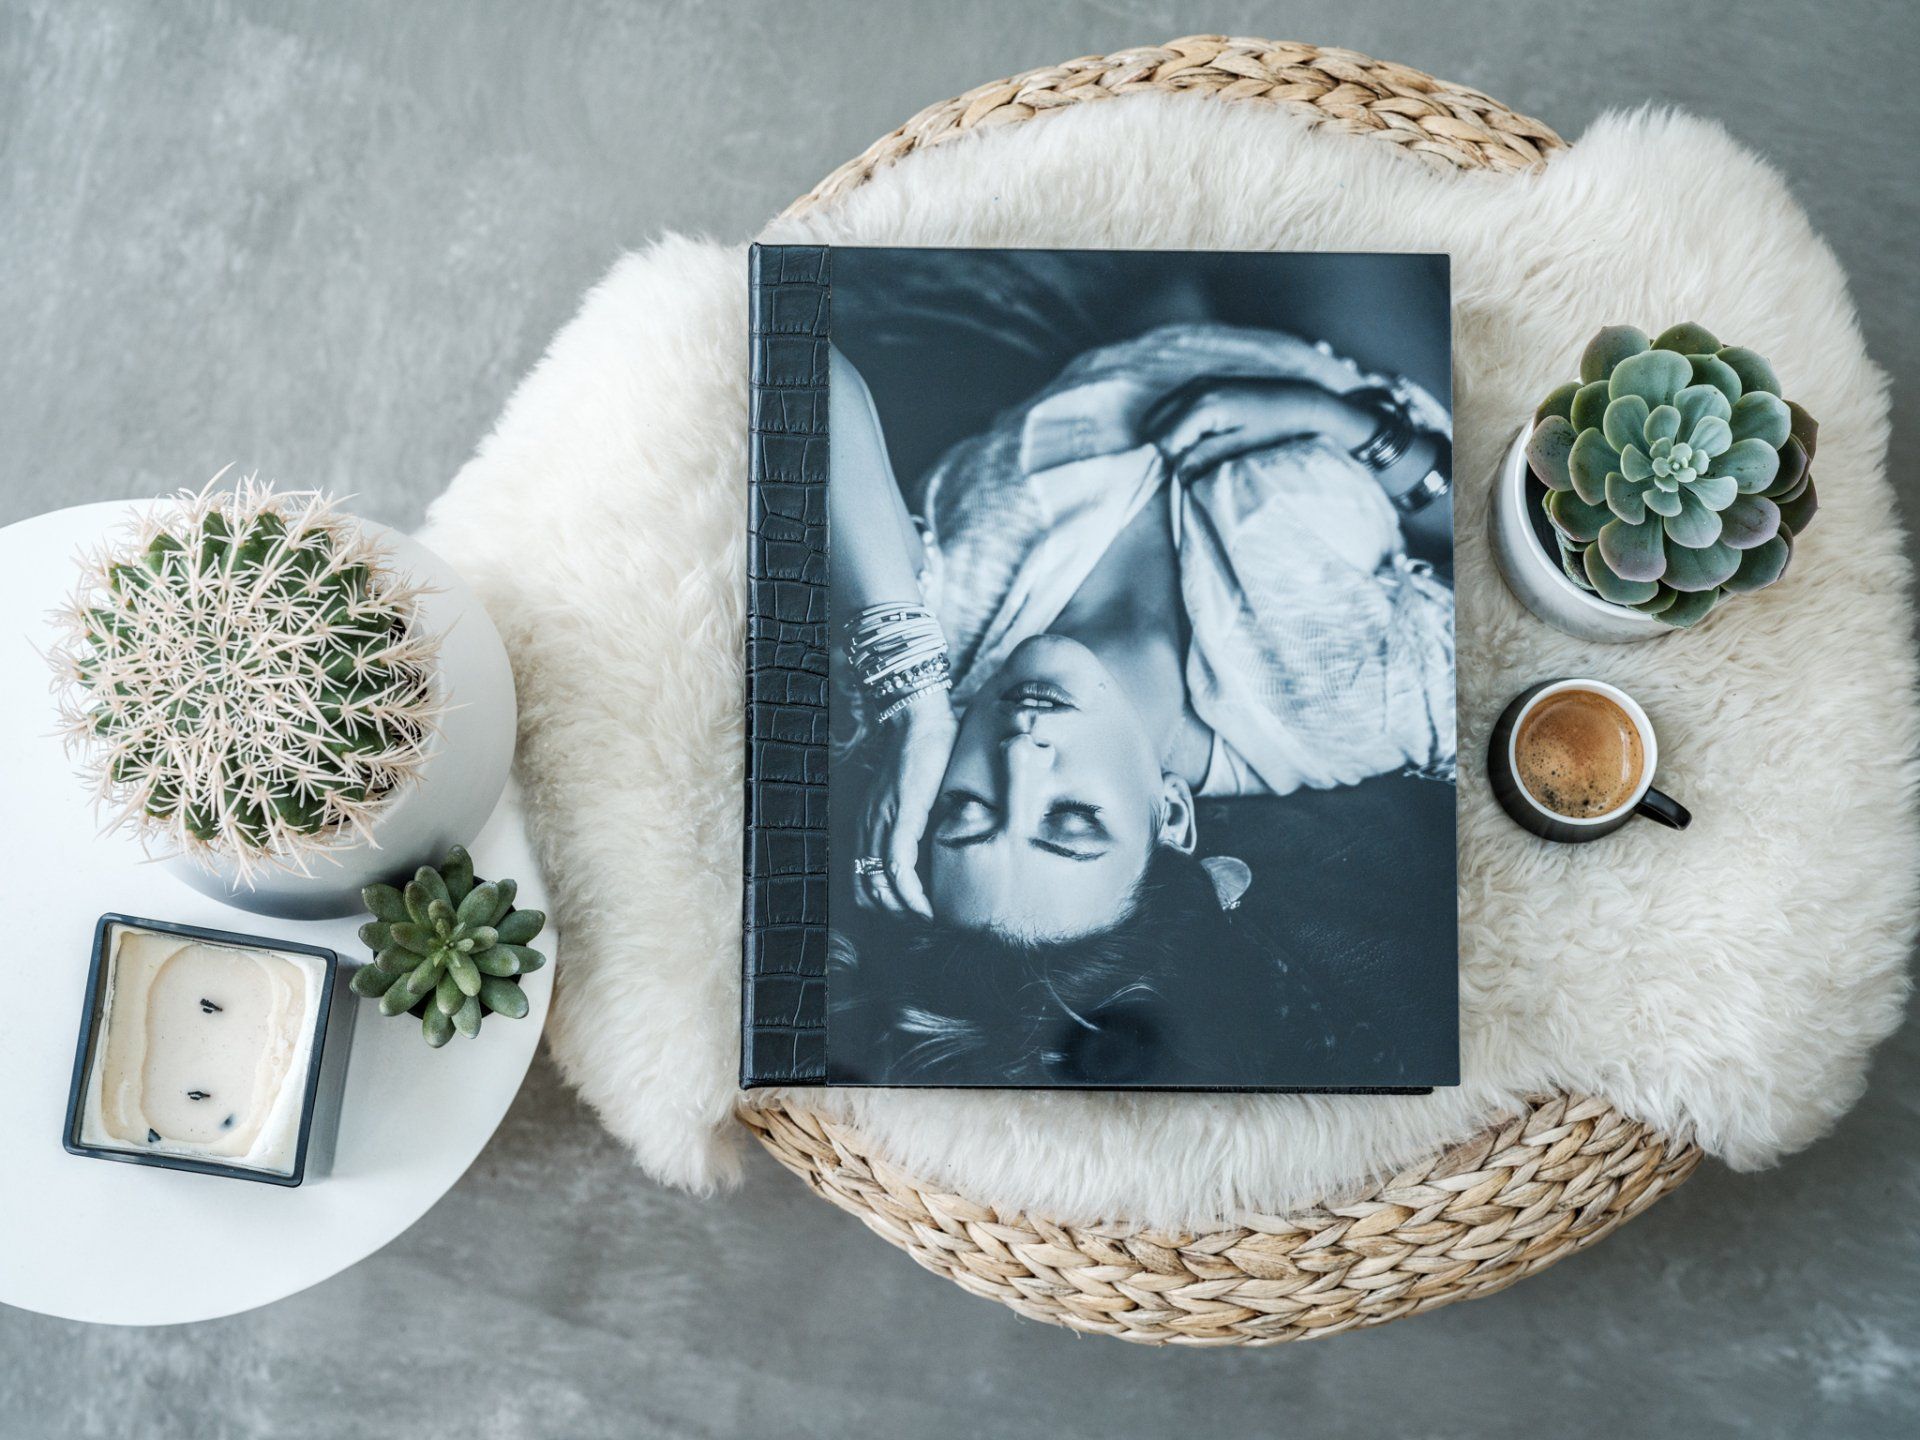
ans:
(1393, 432)
(900, 654)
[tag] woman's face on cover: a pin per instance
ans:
(1052, 800)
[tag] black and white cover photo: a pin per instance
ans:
(1142, 663)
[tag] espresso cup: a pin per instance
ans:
(1573, 760)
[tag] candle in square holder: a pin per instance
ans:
(208, 1051)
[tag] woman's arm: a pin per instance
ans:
(876, 558)
(1219, 420)
(876, 549)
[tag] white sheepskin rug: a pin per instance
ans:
(1727, 982)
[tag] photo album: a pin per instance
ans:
(1100, 671)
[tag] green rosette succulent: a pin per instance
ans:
(448, 948)
(1676, 474)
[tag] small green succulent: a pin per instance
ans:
(448, 948)
(1675, 473)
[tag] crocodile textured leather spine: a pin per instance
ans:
(783, 985)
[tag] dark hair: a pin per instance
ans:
(1117, 1006)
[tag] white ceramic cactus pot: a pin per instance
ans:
(456, 789)
(1529, 559)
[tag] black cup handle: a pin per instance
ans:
(1656, 805)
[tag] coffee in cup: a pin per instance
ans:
(1573, 760)
(1578, 754)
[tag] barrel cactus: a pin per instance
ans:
(448, 948)
(1675, 473)
(245, 677)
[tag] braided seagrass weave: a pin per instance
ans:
(1516, 1198)
(1441, 123)
(1528, 1191)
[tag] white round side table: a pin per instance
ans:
(130, 1245)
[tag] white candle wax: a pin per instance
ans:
(205, 1050)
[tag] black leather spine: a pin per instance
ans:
(783, 985)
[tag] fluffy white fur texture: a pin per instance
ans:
(1726, 982)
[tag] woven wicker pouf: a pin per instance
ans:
(1528, 1191)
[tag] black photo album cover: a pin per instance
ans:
(1100, 672)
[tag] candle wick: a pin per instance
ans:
(198, 1094)
(208, 1007)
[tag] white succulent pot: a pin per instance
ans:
(456, 788)
(1528, 555)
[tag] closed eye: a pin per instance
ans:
(1074, 820)
(970, 814)
(1072, 829)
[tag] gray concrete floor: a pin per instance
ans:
(323, 239)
